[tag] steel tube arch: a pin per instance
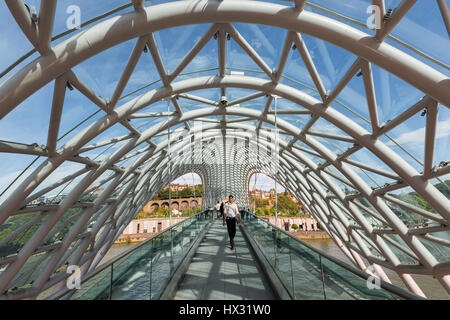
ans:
(214, 82)
(145, 175)
(135, 24)
(398, 165)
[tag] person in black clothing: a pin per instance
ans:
(230, 217)
(221, 209)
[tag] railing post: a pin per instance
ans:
(275, 248)
(323, 278)
(182, 236)
(292, 269)
(151, 270)
(171, 252)
(111, 281)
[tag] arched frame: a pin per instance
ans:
(307, 183)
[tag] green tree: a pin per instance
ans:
(287, 206)
(185, 193)
(141, 215)
(199, 190)
(261, 203)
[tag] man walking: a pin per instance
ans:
(216, 209)
(230, 214)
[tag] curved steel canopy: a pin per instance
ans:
(365, 221)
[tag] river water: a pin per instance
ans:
(430, 287)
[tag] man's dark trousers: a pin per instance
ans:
(231, 226)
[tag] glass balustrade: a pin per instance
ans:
(142, 272)
(306, 273)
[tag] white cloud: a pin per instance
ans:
(202, 61)
(256, 43)
(264, 182)
(188, 178)
(259, 35)
(417, 137)
(327, 127)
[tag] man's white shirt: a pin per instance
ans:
(218, 206)
(231, 210)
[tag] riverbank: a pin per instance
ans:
(133, 238)
(139, 230)
(310, 235)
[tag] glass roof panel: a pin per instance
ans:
(354, 96)
(393, 95)
(13, 43)
(172, 52)
(258, 103)
(368, 158)
(442, 136)
(11, 174)
(354, 9)
(33, 114)
(296, 69)
(353, 113)
(423, 28)
(331, 61)
(266, 41)
(409, 140)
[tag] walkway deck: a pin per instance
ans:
(216, 272)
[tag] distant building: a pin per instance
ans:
(149, 225)
(256, 193)
(290, 196)
(261, 194)
(179, 204)
(179, 187)
(285, 223)
(141, 229)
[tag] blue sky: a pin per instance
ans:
(28, 123)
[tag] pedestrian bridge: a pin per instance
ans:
(192, 260)
(96, 117)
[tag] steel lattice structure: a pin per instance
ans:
(364, 222)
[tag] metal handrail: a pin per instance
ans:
(110, 262)
(383, 284)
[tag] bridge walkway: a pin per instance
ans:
(217, 272)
